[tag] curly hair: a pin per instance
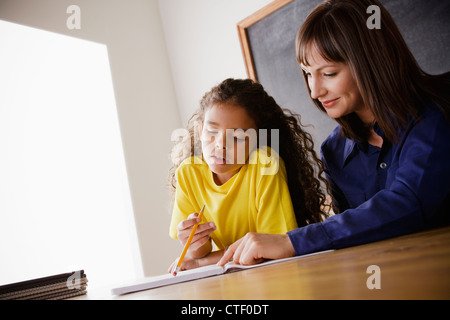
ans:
(296, 146)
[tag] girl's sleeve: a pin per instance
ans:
(182, 206)
(417, 197)
(275, 210)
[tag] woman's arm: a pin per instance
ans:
(418, 189)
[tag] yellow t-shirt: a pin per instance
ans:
(256, 199)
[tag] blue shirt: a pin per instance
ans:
(383, 192)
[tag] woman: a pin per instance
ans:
(387, 161)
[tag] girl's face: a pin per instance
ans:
(226, 151)
(333, 85)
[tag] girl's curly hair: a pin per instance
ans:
(296, 146)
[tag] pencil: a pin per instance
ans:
(188, 243)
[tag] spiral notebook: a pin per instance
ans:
(55, 287)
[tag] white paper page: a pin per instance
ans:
(198, 273)
(167, 279)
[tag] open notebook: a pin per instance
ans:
(188, 275)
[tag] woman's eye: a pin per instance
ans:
(330, 74)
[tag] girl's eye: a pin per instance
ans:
(330, 74)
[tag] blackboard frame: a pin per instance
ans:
(242, 27)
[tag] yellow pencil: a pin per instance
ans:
(188, 243)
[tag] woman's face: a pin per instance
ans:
(226, 151)
(333, 85)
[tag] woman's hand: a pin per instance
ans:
(254, 248)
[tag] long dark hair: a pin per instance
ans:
(388, 77)
(296, 146)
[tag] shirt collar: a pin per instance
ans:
(352, 147)
(348, 150)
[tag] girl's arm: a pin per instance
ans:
(211, 258)
(192, 263)
(202, 251)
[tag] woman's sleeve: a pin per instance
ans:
(413, 201)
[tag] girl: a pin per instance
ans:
(387, 161)
(249, 195)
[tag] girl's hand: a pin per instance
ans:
(202, 234)
(188, 263)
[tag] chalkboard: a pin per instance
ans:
(268, 43)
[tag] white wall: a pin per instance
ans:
(145, 100)
(203, 45)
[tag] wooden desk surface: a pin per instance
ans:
(415, 266)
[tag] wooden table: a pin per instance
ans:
(415, 266)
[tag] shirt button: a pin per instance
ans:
(383, 165)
